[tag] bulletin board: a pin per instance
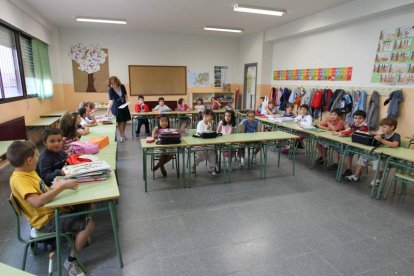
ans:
(151, 80)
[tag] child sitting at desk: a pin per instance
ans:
(288, 111)
(215, 104)
(199, 107)
(52, 158)
(185, 120)
(249, 125)
(333, 123)
(68, 127)
(304, 120)
(205, 126)
(271, 108)
(141, 106)
(83, 113)
(227, 126)
(161, 107)
(386, 136)
(90, 108)
(32, 194)
(260, 106)
(358, 125)
(163, 123)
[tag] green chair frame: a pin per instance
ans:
(34, 241)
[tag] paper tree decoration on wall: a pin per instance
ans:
(90, 67)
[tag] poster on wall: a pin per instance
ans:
(90, 68)
(318, 74)
(198, 79)
(394, 61)
(220, 74)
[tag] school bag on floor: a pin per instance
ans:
(169, 136)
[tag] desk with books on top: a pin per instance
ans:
(105, 191)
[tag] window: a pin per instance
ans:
(10, 82)
(24, 66)
(43, 77)
(28, 65)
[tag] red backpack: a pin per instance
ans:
(317, 99)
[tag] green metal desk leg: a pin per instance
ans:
(115, 230)
(229, 163)
(261, 161)
(295, 145)
(341, 163)
(183, 173)
(58, 245)
(144, 168)
(265, 159)
(376, 176)
(189, 167)
(384, 178)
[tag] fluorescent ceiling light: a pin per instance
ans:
(222, 29)
(258, 10)
(101, 20)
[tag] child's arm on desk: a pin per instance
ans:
(37, 200)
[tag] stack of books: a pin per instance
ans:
(94, 171)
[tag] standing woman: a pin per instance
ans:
(117, 97)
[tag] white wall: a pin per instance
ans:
(251, 51)
(26, 19)
(347, 45)
(197, 52)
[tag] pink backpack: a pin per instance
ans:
(80, 147)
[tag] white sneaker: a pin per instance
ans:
(254, 159)
(213, 172)
(242, 162)
(352, 178)
(122, 140)
(375, 182)
(73, 268)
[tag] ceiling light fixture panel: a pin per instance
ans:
(259, 10)
(101, 20)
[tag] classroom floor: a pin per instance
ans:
(285, 225)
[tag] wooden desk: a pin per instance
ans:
(12, 271)
(54, 113)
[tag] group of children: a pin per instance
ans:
(185, 121)
(33, 182)
(334, 123)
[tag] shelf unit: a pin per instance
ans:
(224, 95)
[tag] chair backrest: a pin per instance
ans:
(15, 205)
(16, 209)
(405, 144)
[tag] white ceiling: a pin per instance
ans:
(175, 16)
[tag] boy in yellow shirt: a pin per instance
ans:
(32, 194)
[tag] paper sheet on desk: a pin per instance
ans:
(124, 105)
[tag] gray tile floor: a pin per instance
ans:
(285, 225)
